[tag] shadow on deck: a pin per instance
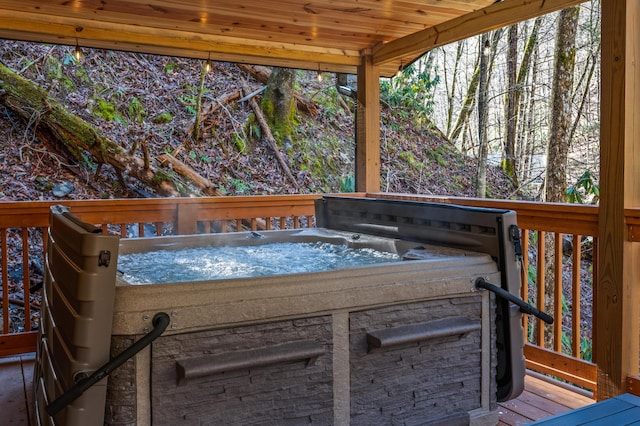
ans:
(540, 399)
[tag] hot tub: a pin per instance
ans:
(409, 340)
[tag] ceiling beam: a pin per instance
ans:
(499, 14)
(139, 38)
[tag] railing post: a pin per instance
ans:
(368, 127)
(186, 218)
(618, 292)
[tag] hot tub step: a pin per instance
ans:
(413, 333)
(191, 368)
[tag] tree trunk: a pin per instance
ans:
(262, 74)
(529, 61)
(528, 137)
(561, 120)
(481, 176)
(451, 91)
(54, 125)
(487, 57)
(511, 106)
(278, 102)
(196, 133)
(561, 95)
(467, 105)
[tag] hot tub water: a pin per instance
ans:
(221, 262)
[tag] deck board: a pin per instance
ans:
(16, 375)
(540, 399)
(620, 411)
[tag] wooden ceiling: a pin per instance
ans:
(328, 35)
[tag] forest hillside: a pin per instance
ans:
(147, 105)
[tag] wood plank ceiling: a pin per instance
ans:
(328, 35)
(313, 34)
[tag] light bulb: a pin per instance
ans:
(487, 48)
(399, 72)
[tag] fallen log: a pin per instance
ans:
(209, 109)
(205, 185)
(57, 127)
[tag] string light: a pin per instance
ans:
(487, 48)
(400, 69)
(207, 65)
(77, 53)
(319, 74)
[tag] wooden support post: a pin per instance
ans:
(186, 219)
(618, 280)
(368, 127)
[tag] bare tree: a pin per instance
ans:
(558, 147)
(485, 50)
(511, 106)
(561, 109)
(451, 90)
(487, 56)
(524, 145)
(467, 105)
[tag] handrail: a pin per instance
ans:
(524, 306)
(160, 322)
(20, 220)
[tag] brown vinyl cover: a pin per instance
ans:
(77, 317)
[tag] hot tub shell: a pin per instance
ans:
(394, 343)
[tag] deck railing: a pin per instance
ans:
(564, 350)
(563, 274)
(23, 233)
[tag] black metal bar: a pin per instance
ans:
(160, 322)
(524, 306)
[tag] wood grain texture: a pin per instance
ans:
(327, 34)
(368, 127)
(617, 327)
(498, 15)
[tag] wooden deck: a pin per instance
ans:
(540, 399)
(16, 402)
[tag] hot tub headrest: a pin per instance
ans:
(64, 211)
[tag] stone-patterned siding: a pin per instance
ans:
(285, 394)
(419, 382)
(121, 389)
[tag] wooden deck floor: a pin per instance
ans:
(16, 402)
(539, 400)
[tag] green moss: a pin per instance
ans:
(281, 129)
(267, 108)
(136, 110)
(437, 155)
(170, 67)
(239, 143)
(161, 176)
(105, 110)
(162, 118)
